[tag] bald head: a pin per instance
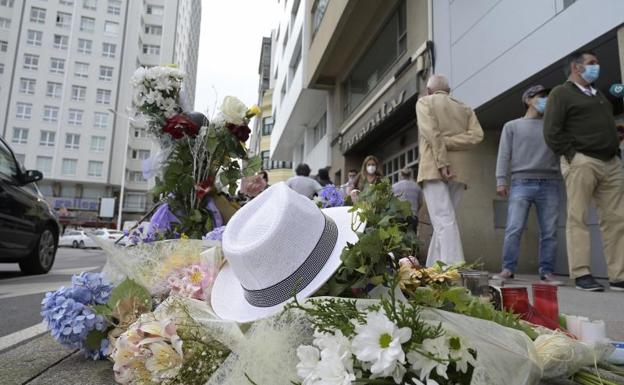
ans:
(437, 83)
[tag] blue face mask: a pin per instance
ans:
(591, 73)
(540, 105)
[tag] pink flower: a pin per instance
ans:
(253, 185)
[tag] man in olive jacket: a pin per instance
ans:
(580, 128)
(447, 128)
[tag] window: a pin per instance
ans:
(319, 130)
(37, 15)
(7, 3)
(95, 169)
(27, 86)
(81, 70)
(155, 10)
(20, 158)
(135, 201)
(57, 66)
(97, 143)
(100, 120)
(318, 11)
(72, 141)
(75, 117)
(63, 19)
(68, 167)
(20, 135)
(66, 2)
(54, 90)
(108, 50)
(151, 49)
(47, 138)
(136, 177)
(111, 29)
(78, 93)
(31, 62)
(1, 68)
(266, 159)
(140, 133)
(44, 164)
(85, 46)
(87, 24)
(103, 96)
(50, 114)
(106, 73)
(153, 30)
(140, 154)
(61, 41)
(34, 37)
(5, 23)
(370, 69)
(267, 125)
(89, 4)
(4, 45)
(24, 111)
(114, 7)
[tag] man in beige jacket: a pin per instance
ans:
(446, 129)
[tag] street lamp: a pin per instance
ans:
(123, 171)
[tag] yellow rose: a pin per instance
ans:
(253, 111)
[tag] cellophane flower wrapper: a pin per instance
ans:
(152, 264)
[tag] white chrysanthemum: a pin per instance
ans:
(378, 341)
(428, 381)
(461, 355)
(323, 367)
(438, 349)
(337, 343)
(309, 357)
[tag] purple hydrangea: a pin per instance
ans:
(214, 235)
(68, 315)
(331, 196)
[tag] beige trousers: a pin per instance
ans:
(588, 178)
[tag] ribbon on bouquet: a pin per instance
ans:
(214, 210)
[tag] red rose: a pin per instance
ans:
(180, 124)
(239, 131)
(204, 187)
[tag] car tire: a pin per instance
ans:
(74, 245)
(81, 245)
(41, 259)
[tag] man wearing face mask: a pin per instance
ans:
(533, 169)
(580, 128)
(447, 130)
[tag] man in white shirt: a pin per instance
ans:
(408, 190)
(302, 183)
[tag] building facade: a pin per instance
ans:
(260, 144)
(64, 73)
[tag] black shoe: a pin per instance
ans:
(588, 283)
(618, 286)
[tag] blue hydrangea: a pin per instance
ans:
(68, 315)
(214, 235)
(331, 196)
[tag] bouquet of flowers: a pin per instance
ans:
(199, 159)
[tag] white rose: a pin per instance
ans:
(233, 110)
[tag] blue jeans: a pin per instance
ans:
(545, 195)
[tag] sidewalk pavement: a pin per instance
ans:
(42, 361)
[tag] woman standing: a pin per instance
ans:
(369, 174)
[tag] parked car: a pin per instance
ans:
(108, 234)
(76, 238)
(29, 229)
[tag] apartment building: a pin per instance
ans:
(65, 67)
(260, 142)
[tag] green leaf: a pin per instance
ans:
(129, 289)
(253, 166)
(94, 339)
(102, 310)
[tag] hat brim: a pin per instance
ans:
(227, 296)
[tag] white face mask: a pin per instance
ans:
(371, 169)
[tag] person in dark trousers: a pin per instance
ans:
(579, 127)
(533, 169)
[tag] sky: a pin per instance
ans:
(229, 50)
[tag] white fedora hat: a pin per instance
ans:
(277, 244)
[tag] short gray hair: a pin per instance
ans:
(438, 82)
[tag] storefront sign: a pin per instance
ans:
(90, 204)
(379, 112)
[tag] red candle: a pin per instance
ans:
(516, 299)
(545, 300)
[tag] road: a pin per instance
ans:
(20, 296)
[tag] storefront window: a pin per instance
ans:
(387, 47)
(393, 165)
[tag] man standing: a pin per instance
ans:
(347, 187)
(580, 128)
(446, 128)
(302, 183)
(535, 179)
(408, 190)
